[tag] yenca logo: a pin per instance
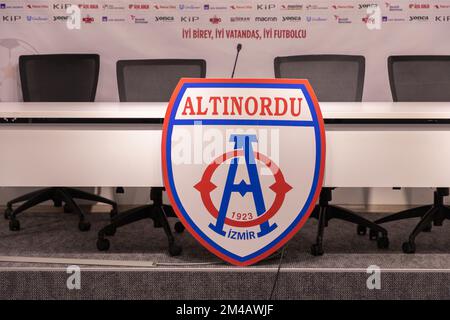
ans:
(229, 166)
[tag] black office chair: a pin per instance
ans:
(334, 78)
(423, 79)
(57, 78)
(151, 81)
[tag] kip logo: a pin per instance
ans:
(243, 162)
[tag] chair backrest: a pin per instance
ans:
(59, 77)
(419, 78)
(154, 80)
(333, 77)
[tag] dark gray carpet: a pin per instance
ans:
(340, 273)
(57, 235)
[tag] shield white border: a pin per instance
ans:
(316, 187)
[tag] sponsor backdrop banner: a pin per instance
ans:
(211, 30)
(139, 29)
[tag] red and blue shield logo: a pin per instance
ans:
(243, 162)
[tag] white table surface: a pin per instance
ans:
(155, 110)
(127, 153)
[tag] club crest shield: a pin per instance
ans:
(243, 162)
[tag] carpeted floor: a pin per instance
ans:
(347, 255)
(57, 235)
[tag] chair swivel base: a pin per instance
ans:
(434, 214)
(58, 195)
(158, 212)
(324, 212)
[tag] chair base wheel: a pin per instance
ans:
(14, 225)
(437, 223)
(373, 235)
(103, 244)
(383, 242)
(157, 223)
(316, 250)
(175, 250)
(84, 226)
(110, 230)
(178, 227)
(361, 230)
(408, 247)
(8, 212)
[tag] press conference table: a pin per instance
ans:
(369, 144)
